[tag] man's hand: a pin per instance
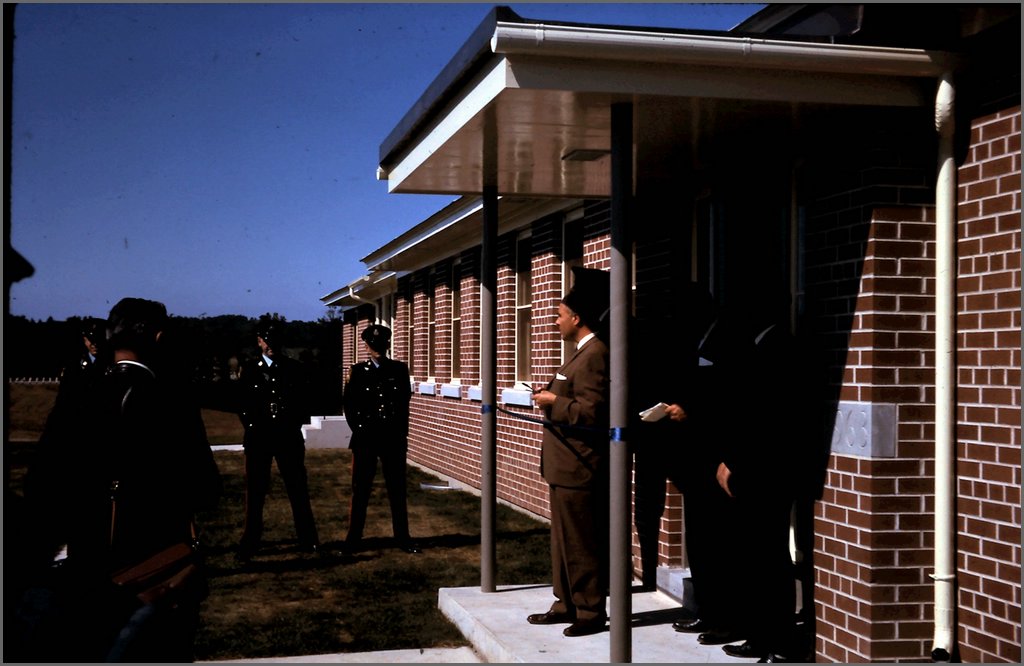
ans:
(544, 398)
(675, 412)
(723, 475)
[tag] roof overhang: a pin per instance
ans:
(455, 228)
(539, 92)
(445, 234)
(362, 291)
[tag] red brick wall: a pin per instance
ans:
(988, 391)
(871, 287)
(873, 544)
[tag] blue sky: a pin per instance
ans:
(222, 158)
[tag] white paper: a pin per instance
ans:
(655, 413)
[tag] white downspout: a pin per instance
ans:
(945, 376)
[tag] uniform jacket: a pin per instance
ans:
(575, 455)
(377, 402)
(274, 401)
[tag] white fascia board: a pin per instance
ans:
(476, 96)
(435, 224)
(334, 297)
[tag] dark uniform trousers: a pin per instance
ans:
(391, 451)
(290, 454)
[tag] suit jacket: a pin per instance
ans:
(574, 451)
(774, 379)
(377, 402)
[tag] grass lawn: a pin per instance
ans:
(285, 603)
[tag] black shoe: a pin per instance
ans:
(586, 627)
(745, 650)
(551, 617)
(718, 637)
(772, 658)
(245, 553)
(410, 547)
(692, 626)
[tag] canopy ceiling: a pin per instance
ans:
(540, 95)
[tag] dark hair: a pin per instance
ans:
(134, 323)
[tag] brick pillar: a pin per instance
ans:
(873, 527)
(988, 392)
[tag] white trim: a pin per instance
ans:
(514, 396)
(465, 109)
(451, 390)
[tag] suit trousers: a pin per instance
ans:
(655, 463)
(767, 601)
(291, 463)
(392, 456)
(579, 550)
(710, 520)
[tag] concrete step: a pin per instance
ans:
(327, 432)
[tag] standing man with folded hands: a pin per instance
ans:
(377, 408)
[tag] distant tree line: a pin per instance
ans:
(206, 351)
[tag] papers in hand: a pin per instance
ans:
(655, 413)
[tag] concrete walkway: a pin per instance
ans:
(463, 655)
(495, 624)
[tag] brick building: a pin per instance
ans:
(861, 160)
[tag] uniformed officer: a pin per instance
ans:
(78, 382)
(274, 408)
(377, 409)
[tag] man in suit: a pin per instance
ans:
(708, 513)
(660, 447)
(377, 409)
(761, 479)
(275, 405)
(574, 462)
